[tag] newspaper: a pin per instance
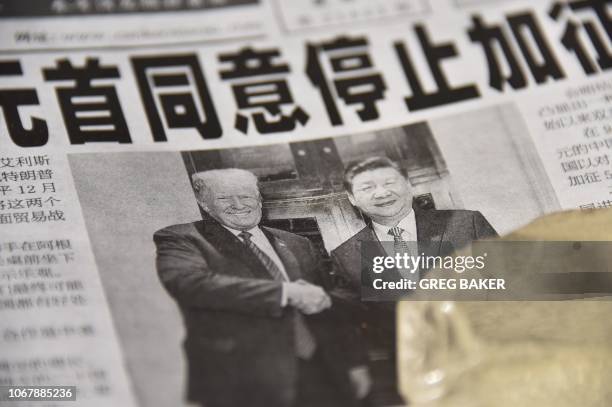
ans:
(124, 272)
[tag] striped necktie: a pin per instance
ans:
(305, 343)
(399, 244)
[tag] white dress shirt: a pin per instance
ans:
(408, 223)
(409, 234)
(261, 241)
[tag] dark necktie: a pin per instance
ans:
(305, 344)
(400, 246)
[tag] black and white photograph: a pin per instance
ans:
(240, 267)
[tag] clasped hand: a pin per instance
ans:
(307, 297)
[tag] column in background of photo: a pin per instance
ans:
(510, 190)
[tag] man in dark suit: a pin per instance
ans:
(380, 190)
(259, 331)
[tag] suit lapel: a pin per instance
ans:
(292, 266)
(367, 234)
(232, 248)
(430, 231)
(373, 249)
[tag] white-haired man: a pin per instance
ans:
(259, 328)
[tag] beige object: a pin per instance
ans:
(529, 353)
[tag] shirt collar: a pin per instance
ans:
(408, 223)
(254, 231)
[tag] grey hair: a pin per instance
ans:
(202, 180)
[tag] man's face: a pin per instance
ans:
(235, 203)
(382, 193)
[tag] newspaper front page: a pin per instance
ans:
(183, 183)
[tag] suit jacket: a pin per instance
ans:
(239, 340)
(439, 232)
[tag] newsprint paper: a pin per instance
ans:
(187, 186)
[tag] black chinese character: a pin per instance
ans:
(173, 87)
(10, 100)
(356, 82)
(574, 42)
(434, 55)
(91, 113)
(542, 65)
(269, 94)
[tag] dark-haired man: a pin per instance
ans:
(379, 189)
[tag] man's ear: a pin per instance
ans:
(203, 205)
(351, 199)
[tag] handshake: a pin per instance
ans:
(306, 297)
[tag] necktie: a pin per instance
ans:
(305, 344)
(268, 263)
(400, 246)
